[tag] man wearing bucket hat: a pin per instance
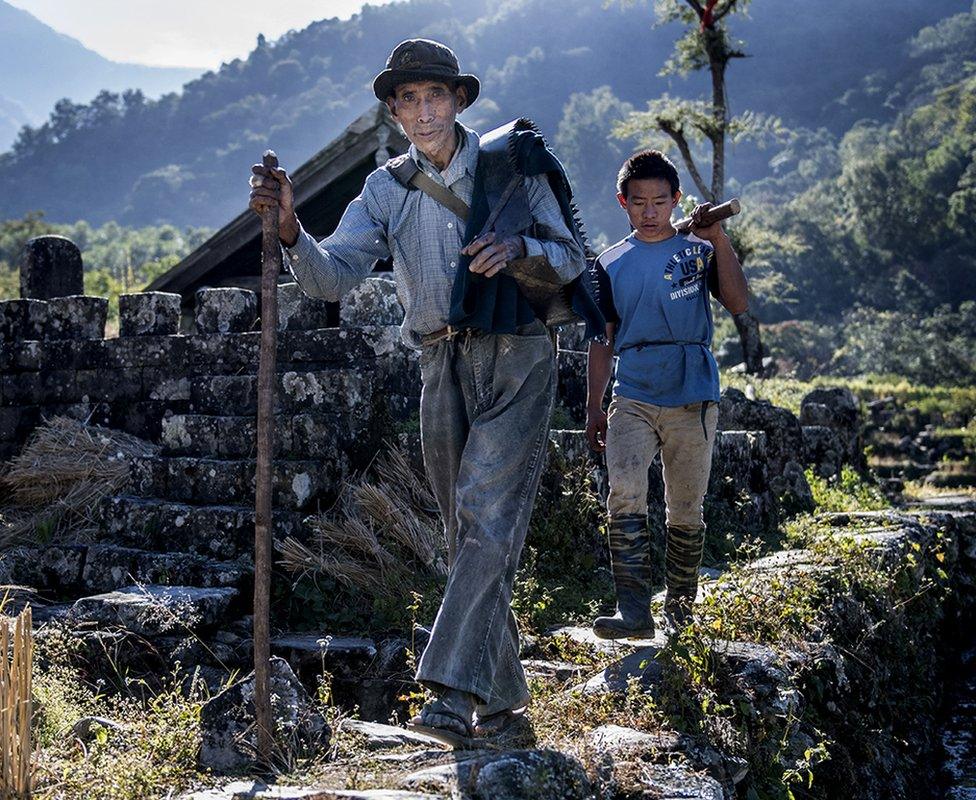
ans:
(487, 362)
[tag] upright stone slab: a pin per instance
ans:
(76, 317)
(226, 310)
(838, 410)
(373, 302)
(149, 314)
(299, 312)
(22, 320)
(227, 720)
(51, 267)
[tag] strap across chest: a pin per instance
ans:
(409, 174)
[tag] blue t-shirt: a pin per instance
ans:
(657, 294)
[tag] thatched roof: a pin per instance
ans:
(324, 186)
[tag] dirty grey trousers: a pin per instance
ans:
(484, 424)
(685, 437)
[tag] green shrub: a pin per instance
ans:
(849, 492)
(152, 752)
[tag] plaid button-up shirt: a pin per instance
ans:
(423, 237)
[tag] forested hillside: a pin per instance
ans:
(868, 237)
(38, 66)
(181, 159)
(858, 228)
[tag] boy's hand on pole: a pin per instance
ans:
(710, 233)
(596, 429)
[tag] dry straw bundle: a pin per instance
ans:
(60, 476)
(380, 535)
(16, 706)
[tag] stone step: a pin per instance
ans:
(155, 610)
(378, 736)
(108, 567)
(951, 480)
(371, 676)
(907, 470)
(217, 531)
(297, 485)
(963, 502)
(342, 390)
(67, 570)
(175, 642)
(316, 435)
(252, 790)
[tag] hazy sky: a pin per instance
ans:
(181, 33)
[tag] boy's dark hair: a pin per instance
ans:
(648, 164)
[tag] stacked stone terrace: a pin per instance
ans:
(181, 537)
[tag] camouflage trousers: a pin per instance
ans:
(684, 436)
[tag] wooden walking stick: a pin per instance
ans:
(270, 269)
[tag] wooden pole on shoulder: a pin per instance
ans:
(714, 214)
(270, 270)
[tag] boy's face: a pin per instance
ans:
(649, 204)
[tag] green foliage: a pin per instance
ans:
(934, 349)
(861, 246)
(116, 259)
(693, 50)
(803, 348)
(952, 406)
(592, 156)
(863, 607)
(183, 158)
(879, 219)
(849, 492)
(705, 44)
(695, 121)
(153, 750)
(558, 580)
(752, 607)
(846, 602)
(319, 603)
(561, 419)
(9, 282)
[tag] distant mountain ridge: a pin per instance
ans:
(183, 159)
(39, 66)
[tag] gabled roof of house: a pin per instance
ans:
(324, 186)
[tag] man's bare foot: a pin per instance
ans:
(448, 718)
(508, 726)
(457, 704)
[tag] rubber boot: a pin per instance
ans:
(682, 560)
(630, 559)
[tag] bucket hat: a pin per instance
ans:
(423, 60)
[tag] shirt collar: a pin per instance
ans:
(464, 160)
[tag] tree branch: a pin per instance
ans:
(697, 7)
(685, 150)
(719, 14)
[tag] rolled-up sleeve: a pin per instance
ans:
(330, 268)
(555, 241)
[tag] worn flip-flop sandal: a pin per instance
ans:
(498, 723)
(458, 741)
(504, 726)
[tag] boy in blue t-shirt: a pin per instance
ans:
(653, 288)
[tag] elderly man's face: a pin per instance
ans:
(426, 111)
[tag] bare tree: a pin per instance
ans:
(705, 45)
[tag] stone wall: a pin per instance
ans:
(54, 360)
(180, 535)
